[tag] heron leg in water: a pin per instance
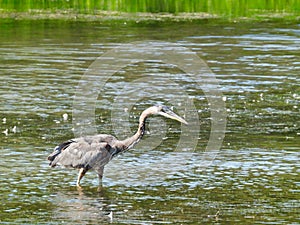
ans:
(100, 174)
(82, 172)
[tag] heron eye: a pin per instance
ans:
(165, 109)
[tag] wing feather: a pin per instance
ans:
(84, 153)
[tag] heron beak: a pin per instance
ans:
(172, 115)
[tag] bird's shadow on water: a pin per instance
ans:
(82, 205)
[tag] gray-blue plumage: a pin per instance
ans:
(94, 152)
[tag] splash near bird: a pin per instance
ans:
(94, 152)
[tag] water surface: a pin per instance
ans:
(254, 177)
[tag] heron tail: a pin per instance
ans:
(57, 150)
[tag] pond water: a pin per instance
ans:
(254, 177)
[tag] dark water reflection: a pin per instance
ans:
(254, 178)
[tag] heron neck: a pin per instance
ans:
(133, 140)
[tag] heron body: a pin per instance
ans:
(94, 152)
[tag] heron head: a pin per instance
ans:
(167, 112)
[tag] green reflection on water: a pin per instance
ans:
(227, 8)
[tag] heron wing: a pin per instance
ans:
(58, 149)
(84, 154)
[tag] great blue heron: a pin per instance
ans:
(94, 152)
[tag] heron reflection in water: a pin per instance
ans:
(94, 152)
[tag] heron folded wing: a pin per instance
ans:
(84, 155)
(98, 156)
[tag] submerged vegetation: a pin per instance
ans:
(230, 9)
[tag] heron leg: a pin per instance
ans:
(100, 174)
(82, 172)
